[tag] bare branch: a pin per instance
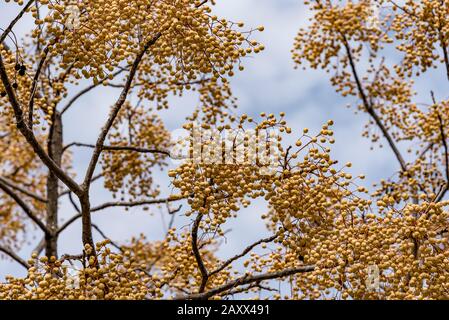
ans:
(172, 213)
(118, 148)
(16, 19)
(34, 87)
(133, 203)
(107, 238)
(425, 150)
(40, 246)
(15, 257)
(244, 252)
(24, 207)
(369, 108)
(95, 178)
(197, 254)
(446, 159)
(445, 54)
(72, 201)
(247, 279)
(256, 285)
(202, 3)
(68, 257)
(30, 194)
(86, 90)
(185, 83)
(115, 204)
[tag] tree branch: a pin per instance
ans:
(369, 108)
(15, 257)
(67, 191)
(446, 159)
(118, 148)
(256, 285)
(247, 279)
(85, 187)
(133, 203)
(197, 254)
(30, 194)
(201, 3)
(425, 150)
(445, 54)
(114, 112)
(40, 246)
(86, 90)
(72, 201)
(115, 204)
(34, 87)
(107, 238)
(24, 207)
(29, 136)
(16, 19)
(244, 252)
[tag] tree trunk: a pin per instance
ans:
(86, 222)
(55, 147)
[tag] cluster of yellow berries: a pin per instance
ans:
(191, 48)
(50, 94)
(318, 213)
(116, 276)
(140, 270)
(234, 165)
(128, 173)
(173, 266)
(408, 247)
(422, 31)
(406, 239)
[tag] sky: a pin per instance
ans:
(269, 84)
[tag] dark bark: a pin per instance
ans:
(55, 145)
(86, 222)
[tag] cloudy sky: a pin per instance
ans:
(269, 83)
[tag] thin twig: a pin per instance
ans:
(22, 190)
(13, 22)
(115, 204)
(133, 203)
(40, 246)
(446, 159)
(24, 207)
(86, 90)
(369, 108)
(72, 201)
(15, 257)
(244, 252)
(114, 112)
(34, 87)
(248, 288)
(117, 148)
(107, 238)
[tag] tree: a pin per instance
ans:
(374, 51)
(330, 237)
